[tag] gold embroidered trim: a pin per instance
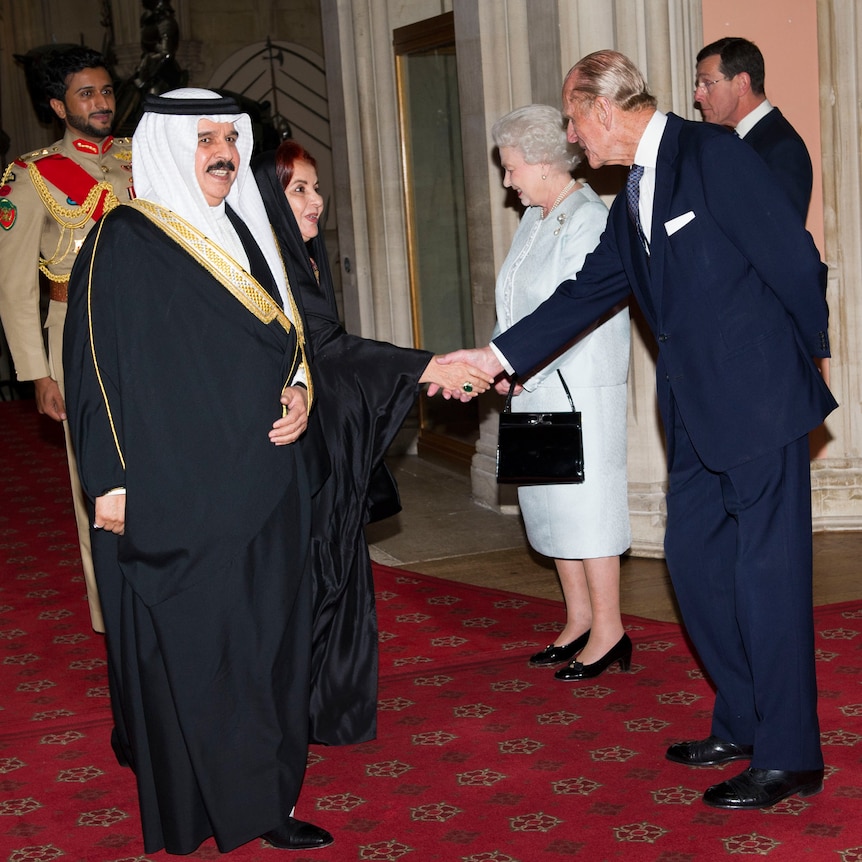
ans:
(299, 331)
(242, 286)
(68, 218)
(93, 346)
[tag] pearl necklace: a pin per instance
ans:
(560, 197)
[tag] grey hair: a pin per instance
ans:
(611, 75)
(538, 131)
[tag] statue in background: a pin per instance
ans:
(158, 70)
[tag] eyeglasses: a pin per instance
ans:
(707, 85)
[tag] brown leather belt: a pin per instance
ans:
(60, 291)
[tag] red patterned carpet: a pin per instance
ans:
(480, 758)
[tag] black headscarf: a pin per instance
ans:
(365, 389)
(317, 299)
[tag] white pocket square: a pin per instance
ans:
(675, 224)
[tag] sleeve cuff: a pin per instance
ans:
(503, 361)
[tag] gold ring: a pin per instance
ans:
(468, 386)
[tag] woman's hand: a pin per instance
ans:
(459, 380)
(289, 428)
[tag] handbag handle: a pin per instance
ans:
(508, 407)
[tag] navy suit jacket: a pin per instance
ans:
(730, 290)
(779, 145)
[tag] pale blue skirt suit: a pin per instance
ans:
(569, 521)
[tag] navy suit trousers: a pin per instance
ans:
(738, 547)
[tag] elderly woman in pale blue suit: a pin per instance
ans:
(583, 527)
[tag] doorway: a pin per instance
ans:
(439, 266)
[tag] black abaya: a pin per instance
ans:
(171, 388)
(364, 391)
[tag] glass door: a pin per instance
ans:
(432, 166)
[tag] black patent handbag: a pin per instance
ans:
(540, 448)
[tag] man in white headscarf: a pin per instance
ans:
(186, 388)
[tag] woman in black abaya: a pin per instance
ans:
(364, 389)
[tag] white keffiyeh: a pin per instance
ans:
(163, 160)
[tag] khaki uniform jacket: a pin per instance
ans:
(42, 228)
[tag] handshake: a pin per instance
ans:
(463, 374)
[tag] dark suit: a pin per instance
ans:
(732, 296)
(779, 145)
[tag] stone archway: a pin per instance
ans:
(292, 79)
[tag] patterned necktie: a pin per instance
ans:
(633, 187)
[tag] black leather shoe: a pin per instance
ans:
(711, 751)
(298, 835)
(556, 654)
(620, 652)
(760, 788)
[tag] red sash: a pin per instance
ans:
(68, 176)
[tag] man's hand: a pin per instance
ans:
(503, 385)
(111, 513)
(479, 357)
(457, 380)
(289, 428)
(48, 398)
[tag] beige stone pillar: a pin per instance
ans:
(372, 232)
(127, 35)
(837, 479)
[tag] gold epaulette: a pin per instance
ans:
(40, 153)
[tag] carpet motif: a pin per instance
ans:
(479, 758)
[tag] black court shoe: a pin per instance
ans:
(621, 652)
(552, 654)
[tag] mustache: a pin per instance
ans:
(222, 165)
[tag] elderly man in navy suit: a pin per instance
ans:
(728, 281)
(729, 90)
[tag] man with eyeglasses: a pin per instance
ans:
(729, 90)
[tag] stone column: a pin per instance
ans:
(837, 479)
(361, 82)
(126, 16)
(495, 75)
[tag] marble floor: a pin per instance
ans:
(442, 532)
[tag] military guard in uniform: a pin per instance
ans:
(49, 201)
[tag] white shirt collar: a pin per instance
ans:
(647, 156)
(647, 151)
(751, 119)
